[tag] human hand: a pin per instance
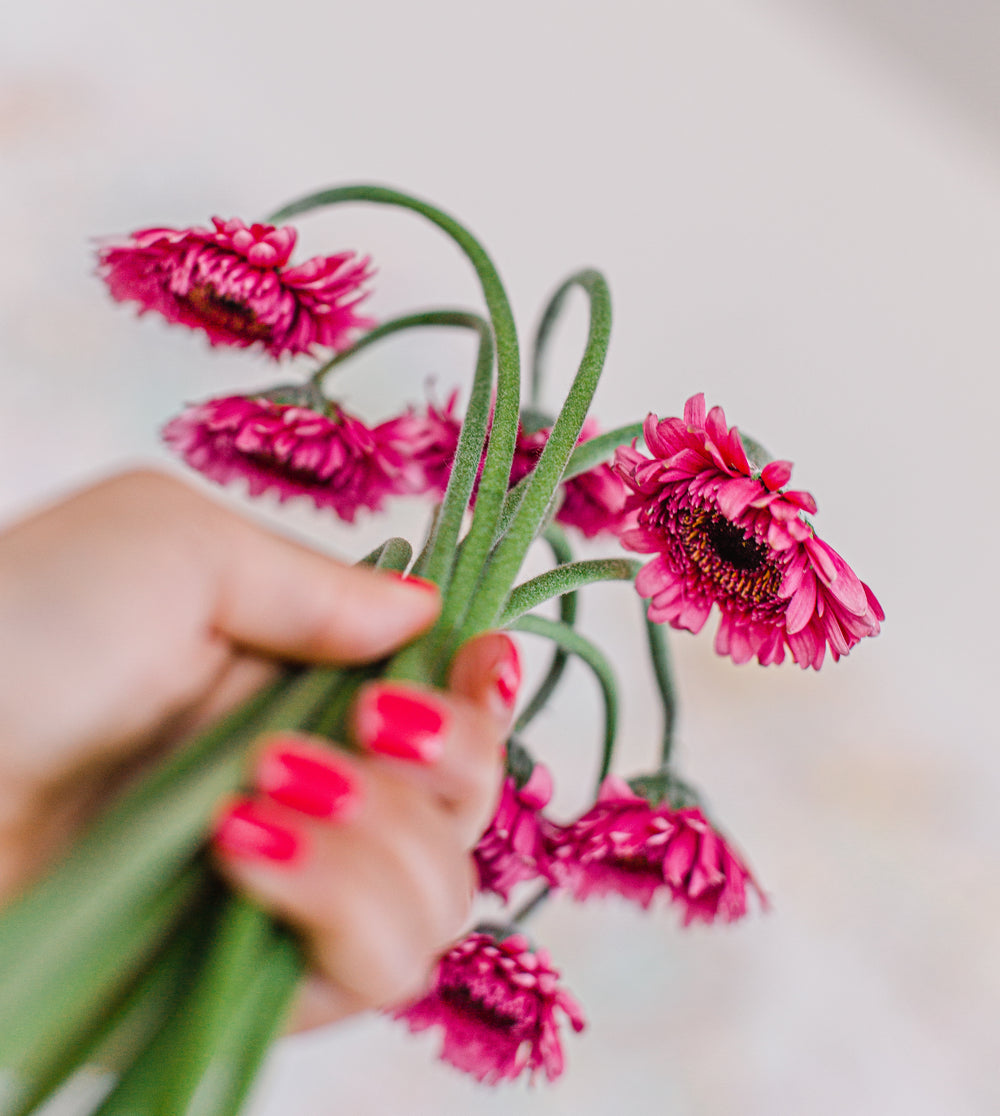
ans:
(138, 611)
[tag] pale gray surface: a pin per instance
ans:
(789, 222)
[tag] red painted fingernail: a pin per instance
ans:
(243, 832)
(397, 721)
(507, 673)
(414, 580)
(317, 785)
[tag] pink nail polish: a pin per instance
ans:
(317, 785)
(397, 721)
(507, 673)
(415, 580)
(244, 833)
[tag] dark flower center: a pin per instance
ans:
(460, 997)
(733, 546)
(225, 313)
(735, 562)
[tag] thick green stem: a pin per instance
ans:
(39, 1050)
(576, 644)
(562, 552)
(660, 657)
(595, 451)
(566, 579)
(542, 482)
(196, 1060)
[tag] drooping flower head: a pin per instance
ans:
(624, 845)
(497, 1003)
(727, 533)
(514, 848)
(327, 455)
(234, 282)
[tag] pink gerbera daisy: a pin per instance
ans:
(514, 847)
(726, 532)
(329, 456)
(234, 282)
(624, 845)
(497, 1003)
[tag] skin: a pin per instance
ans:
(138, 611)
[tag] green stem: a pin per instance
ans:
(461, 319)
(660, 657)
(543, 480)
(393, 554)
(595, 451)
(50, 1029)
(443, 541)
(503, 435)
(539, 348)
(566, 579)
(576, 644)
(259, 1021)
(585, 457)
(562, 552)
(192, 1060)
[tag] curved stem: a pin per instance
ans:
(545, 477)
(595, 451)
(576, 644)
(659, 655)
(559, 544)
(461, 319)
(566, 579)
(503, 435)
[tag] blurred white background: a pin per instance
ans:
(796, 205)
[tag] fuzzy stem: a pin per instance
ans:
(566, 579)
(556, 538)
(595, 451)
(660, 657)
(576, 644)
(542, 482)
(462, 319)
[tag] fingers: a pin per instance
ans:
(233, 578)
(368, 855)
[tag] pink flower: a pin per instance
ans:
(514, 847)
(727, 533)
(439, 441)
(234, 283)
(496, 1002)
(331, 457)
(624, 845)
(592, 502)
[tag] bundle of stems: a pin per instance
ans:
(131, 958)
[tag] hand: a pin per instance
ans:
(138, 611)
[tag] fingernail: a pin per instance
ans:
(507, 672)
(414, 580)
(319, 786)
(397, 721)
(244, 833)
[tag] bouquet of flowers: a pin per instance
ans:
(131, 955)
